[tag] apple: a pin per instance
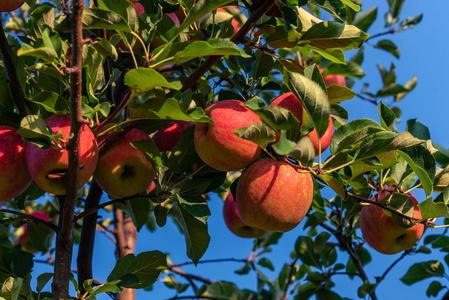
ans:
(166, 138)
(48, 167)
(24, 239)
(235, 223)
(14, 174)
(273, 195)
(217, 145)
(334, 79)
(124, 170)
(139, 7)
(325, 138)
(290, 102)
(10, 5)
(382, 233)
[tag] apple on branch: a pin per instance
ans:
(217, 145)
(167, 137)
(10, 5)
(14, 174)
(273, 195)
(48, 167)
(382, 233)
(122, 169)
(235, 223)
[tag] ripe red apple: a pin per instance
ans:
(48, 167)
(139, 7)
(24, 239)
(325, 138)
(14, 174)
(290, 102)
(124, 170)
(273, 195)
(217, 145)
(382, 233)
(166, 138)
(10, 5)
(235, 223)
(334, 79)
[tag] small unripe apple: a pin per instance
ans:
(382, 233)
(10, 5)
(217, 145)
(14, 174)
(325, 138)
(48, 167)
(235, 223)
(122, 169)
(273, 195)
(24, 239)
(166, 138)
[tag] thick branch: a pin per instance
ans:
(237, 38)
(64, 236)
(86, 247)
(11, 74)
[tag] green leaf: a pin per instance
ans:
(364, 19)
(105, 48)
(349, 69)
(284, 146)
(418, 129)
(142, 80)
(410, 85)
(303, 151)
(105, 288)
(145, 267)
(191, 217)
(422, 163)
(387, 117)
(265, 262)
(338, 93)
(47, 100)
(335, 183)
(138, 209)
(260, 134)
(151, 152)
(434, 288)
(313, 99)
(420, 271)
(97, 18)
(391, 90)
(11, 288)
(334, 35)
(388, 46)
(430, 209)
(320, 242)
(46, 54)
(353, 133)
(40, 236)
(304, 250)
(42, 280)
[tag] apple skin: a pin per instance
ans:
(334, 79)
(235, 223)
(166, 138)
(24, 238)
(14, 174)
(290, 102)
(382, 233)
(42, 162)
(217, 145)
(325, 138)
(273, 195)
(10, 5)
(124, 170)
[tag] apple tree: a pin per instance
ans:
(121, 116)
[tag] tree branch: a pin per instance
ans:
(87, 240)
(187, 275)
(64, 235)
(11, 74)
(290, 278)
(30, 217)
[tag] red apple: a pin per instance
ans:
(217, 145)
(382, 233)
(235, 223)
(10, 5)
(273, 195)
(124, 170)
(48, 167)
(24, 238)
(14, 174)
(139, 7)
(166, 138)
(334, 79)
(290, 102)
(325, 138)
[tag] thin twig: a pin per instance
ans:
(30, 217)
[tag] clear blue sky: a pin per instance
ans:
(423, 52)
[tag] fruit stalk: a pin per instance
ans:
(11, 74)
(64, 235)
